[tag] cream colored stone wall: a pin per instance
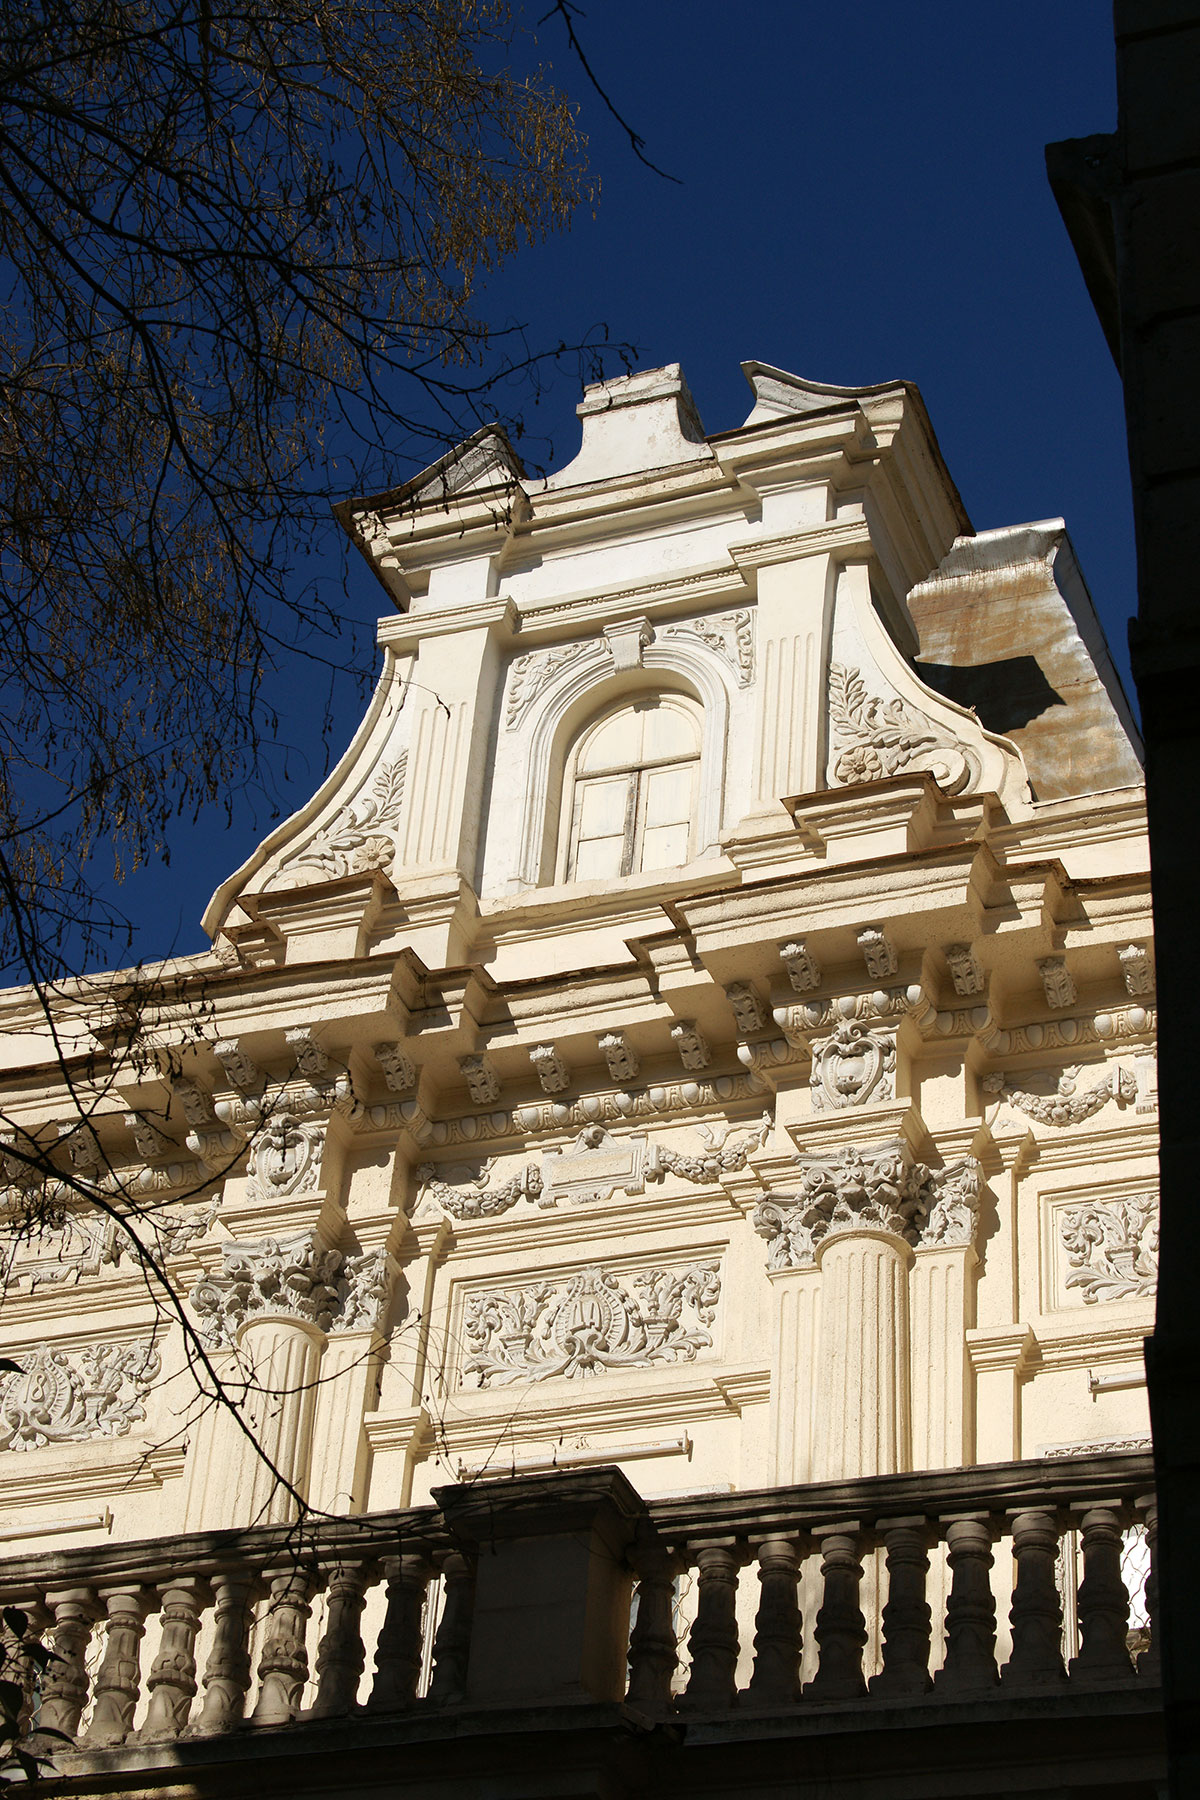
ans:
(828, 1152)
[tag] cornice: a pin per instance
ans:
(829, 538)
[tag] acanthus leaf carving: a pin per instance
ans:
(804, 971)
(620, 1056)
(879, 953)
(535, 670)
(590, 1322)
(1112, 1248)
(482, 1081)
(691, 1044)
(1066, 1105)
(398, 1068)
(1137, 970)
(1058, 983)
(730, 634)
(69, 1396)
(874, 738)
(311, 1060)
(241, 1069)
(152, 1144)
(880, 1189)
(363, 1289)
(293, 1278)
(965, 970)
(748, 1009)
(360, 838)
(552, 1071)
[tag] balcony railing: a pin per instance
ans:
(866, 1595)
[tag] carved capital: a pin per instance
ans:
(881, 1189)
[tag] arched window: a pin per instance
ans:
(630, 789)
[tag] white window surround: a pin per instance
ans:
(588, 687)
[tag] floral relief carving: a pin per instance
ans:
(730, 634)
(874, 738)
(590, 1322)
(69, 1396)
(881, 1189)
(1066, 1105)
(716, 1159)
(476, 1199)
(1112, 1248)
(534, 671)
(852, 1067)
(359, 838)
(363, 1289)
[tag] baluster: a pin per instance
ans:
(907, 1617)
(1103, 1602)
(283, 1664)
(341, 1658)
(1036, 1613)
(713, 1639)
(778, 1640)
(840, 1629)
(398, 1651)
(65, 1685)
(118, 1678)
(452, 1644)
(653, 1653)
(172, 1680)
(227, 1671)
(25, 1669)
(970, 1665)
(1149, 1663)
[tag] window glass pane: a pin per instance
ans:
(596, 859)
(600, 807)
(615, 744)
(668, 795)
(669, 732)
(665, 846)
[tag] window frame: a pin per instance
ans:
(636, 790)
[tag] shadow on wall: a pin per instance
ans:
(1005, 695)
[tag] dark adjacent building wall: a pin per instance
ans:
(1131, 202)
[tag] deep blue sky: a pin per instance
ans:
(863, 197)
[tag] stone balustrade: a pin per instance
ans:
(521, 1592)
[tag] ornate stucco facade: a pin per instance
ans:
(675, 1035)
(704, 1025)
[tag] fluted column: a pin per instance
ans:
(283, 1356)
(942, 1414)
(796, 1294)
(271, 1303)
(862, 1403)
